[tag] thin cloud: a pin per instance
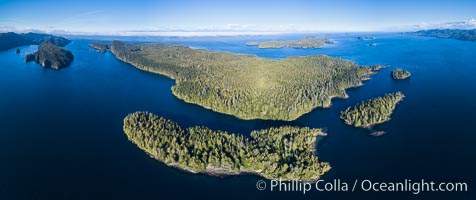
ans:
(464, 24)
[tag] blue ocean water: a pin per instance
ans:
(61, 131)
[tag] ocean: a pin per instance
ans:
(61, 130)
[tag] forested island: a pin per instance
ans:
(247, 86)
(285, 152)
(306, 42)
(49, 54)
(11, 40)
(99, 46)
(466, 35)
(52, 56)
(373, 111)
(399, 74)
(366, 37)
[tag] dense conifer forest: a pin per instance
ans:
(303, 43)
(247, 86)
(373, 111)
(285, 152)
(399, 74)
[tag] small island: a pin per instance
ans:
(377, 133)
(247, 86)
(252, 43)
(99, 46)
(366, 37)
(306, 42)
(458, 34)
(52, 56)
(285, 152)
(400, 74)
(373, 111)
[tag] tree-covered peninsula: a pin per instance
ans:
(286, 152)
(247, 86)
(99, 46)
(10, 40)
(373, 111)
(466, 35)
(52, 56)
(399, 74)
(306, 42)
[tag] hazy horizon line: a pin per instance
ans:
(241, 30)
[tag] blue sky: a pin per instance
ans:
(93, 16)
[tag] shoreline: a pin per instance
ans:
(369, 126)
(325, 104)
(221, 173)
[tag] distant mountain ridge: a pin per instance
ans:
(11, 40)
(467, 24)
(466, 35)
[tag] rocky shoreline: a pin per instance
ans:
(51, 56)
